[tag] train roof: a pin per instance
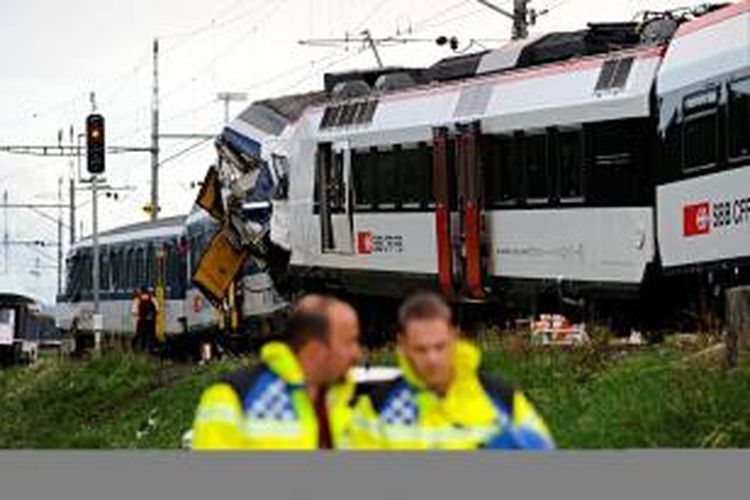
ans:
(13, 298)
(270, 116)
(149, 229)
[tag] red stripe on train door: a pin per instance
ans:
(442, 210)
(472, 210)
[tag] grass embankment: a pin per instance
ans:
(117, 401)
(643, 400)
(590, 398)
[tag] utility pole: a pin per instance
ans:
(155, 136)
(59, 236)
(522, 16)
(72, 200)
(5, 231)
(72, 187)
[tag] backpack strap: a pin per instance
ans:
(242, 380)
(499, 390)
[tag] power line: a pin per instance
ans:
(271, 8)
(425, 23)
(367, 18)
(315, 71)
(556, 5)
(210, 26)
(184, 151)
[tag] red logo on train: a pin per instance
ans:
(364, 243)
(696, 219)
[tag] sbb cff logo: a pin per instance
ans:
(364, 243)
(696, 219)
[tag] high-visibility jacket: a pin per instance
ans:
(268, 408)
(475, 412)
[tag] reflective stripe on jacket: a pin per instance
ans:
(267, 408)
(476, 412)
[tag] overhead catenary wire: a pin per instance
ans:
(271, 8)
(211, 26)
(370, 15)
(184, 151)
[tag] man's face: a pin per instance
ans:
(343, 343)
(428, 345)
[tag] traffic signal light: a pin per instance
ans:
(95, 151)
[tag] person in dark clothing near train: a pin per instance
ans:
(145, 310)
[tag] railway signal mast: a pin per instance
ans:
(95, 164)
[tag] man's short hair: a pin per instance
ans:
(308, 320)
(304, 326)
(423, 306)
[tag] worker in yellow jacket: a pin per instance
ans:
(442, 401)
(298, 398)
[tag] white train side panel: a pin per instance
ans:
(706, 218)
(583, 244)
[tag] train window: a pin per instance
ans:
(700, 130)
(122, 271)
(150, 265)
(174, 276)
(536, 162)
(85, 272)
(129, 278)
(570, 163)
(612, 151)
(414, 163)
(103, 271)
(117, 270)
(739, 119)
(112, 271)
(73, 265)
(363, 177)
(501, 186)
(139, 271)
(386, 180)
(699, 141)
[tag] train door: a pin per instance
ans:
(335, 198)
(459, 211)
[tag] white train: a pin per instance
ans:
(162, 256)
(599, 168)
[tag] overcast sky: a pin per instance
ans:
(53, 53)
